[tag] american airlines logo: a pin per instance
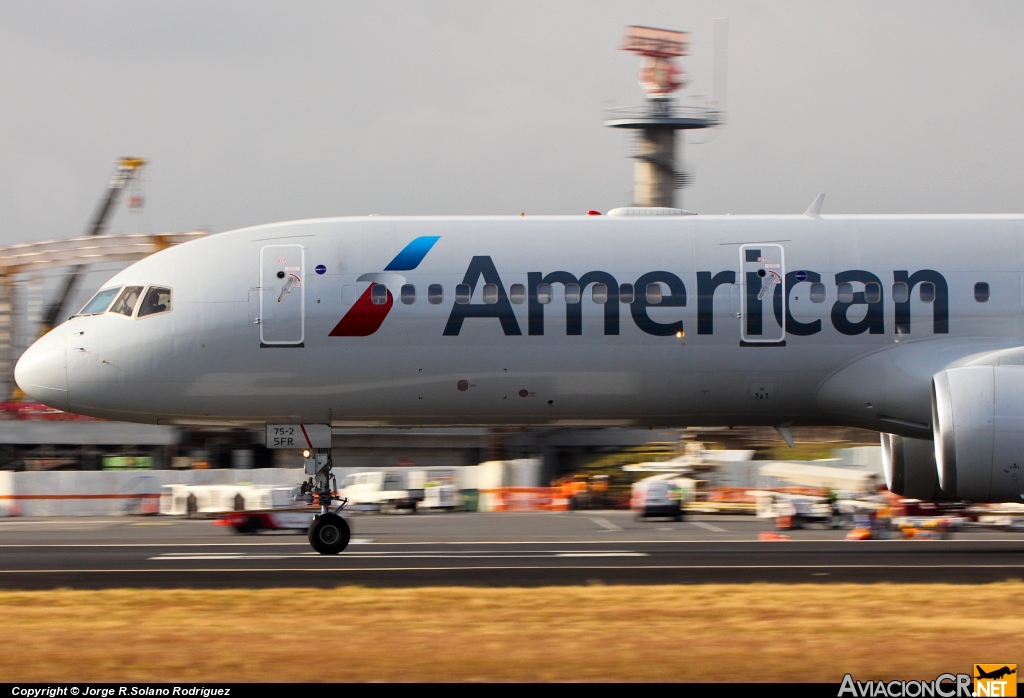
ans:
(765, 296)
(366, 316)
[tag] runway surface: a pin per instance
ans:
(506, 549)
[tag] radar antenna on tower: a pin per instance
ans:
(657, 172)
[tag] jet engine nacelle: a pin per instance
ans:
(909, 466)
(978, 426)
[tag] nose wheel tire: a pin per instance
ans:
(329, 534)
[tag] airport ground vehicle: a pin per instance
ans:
(657, 498)
(797, 511)
(383, 490)
(246, 508)
(256, 521)
(440, 495)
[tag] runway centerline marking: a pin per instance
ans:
(709, 527)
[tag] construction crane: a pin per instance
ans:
(127, 169)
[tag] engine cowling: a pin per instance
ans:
(978, 427)
(909, 466)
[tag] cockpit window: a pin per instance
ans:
(125, 303)
(100, 302)
(156, 300)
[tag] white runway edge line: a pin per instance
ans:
(396, 556)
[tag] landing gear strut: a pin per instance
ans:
(329, 534)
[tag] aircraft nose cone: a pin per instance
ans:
(41, 372)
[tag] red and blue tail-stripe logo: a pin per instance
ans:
(365, 317)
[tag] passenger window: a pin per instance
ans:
(572, 293)
(490, 294)
(125, 303)
(927, 291)
(463, 293)
(408, 294)
(872, 292)
(100, 302)
(599, 293)
(817, 292)
(626, 293)
(544, 293)
(157, 300)
(981, 292)
(900, 292)
(844, 292)
(517, 293)
(435, 294)
(378, 294)
(654, 293)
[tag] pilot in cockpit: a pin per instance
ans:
(156, 300)
(151, 304)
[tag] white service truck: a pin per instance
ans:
(383, 490)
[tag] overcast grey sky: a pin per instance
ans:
(255, 111)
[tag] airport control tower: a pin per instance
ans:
(657, 172)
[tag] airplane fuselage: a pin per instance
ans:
(660, 321)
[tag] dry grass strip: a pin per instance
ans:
(756, 632)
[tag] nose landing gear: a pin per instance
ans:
(329, 533)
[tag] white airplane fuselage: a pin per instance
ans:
(597, 320)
